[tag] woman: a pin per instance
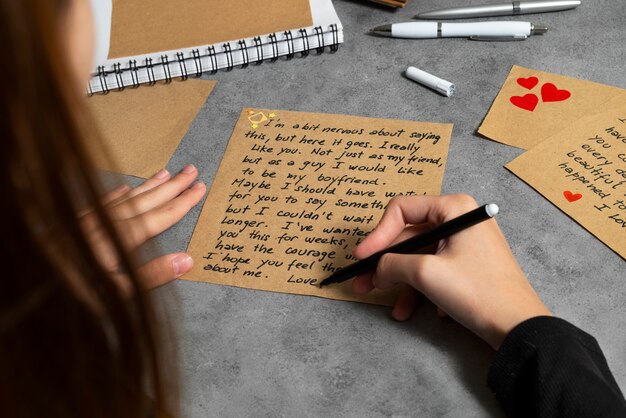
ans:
(77, 334)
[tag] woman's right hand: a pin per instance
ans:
(472, 276)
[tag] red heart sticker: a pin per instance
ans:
(528, 83)
(550, 93)
(526, 102)
(571, 197)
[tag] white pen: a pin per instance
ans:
(503, 9)
(484, 31)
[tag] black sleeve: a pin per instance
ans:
(546, 367)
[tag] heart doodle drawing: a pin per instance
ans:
(526, 102)
(571, 197)
(528, 83)
(550, 93)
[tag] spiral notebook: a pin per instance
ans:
(152, 40)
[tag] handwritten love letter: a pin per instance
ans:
(533, 105)
(582, 170)
(296, 192)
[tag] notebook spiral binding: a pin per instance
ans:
(198, 61)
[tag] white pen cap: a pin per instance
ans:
(442, 86)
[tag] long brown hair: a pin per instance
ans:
(71, 342)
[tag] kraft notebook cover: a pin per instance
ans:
(144, 41)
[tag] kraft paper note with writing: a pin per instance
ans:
(296, 191)
(582, 170)
(141, 128)
(534, 105)
(146, 26)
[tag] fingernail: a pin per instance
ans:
(198, 185)
(162, 174)
(189, 169)
(182, 264)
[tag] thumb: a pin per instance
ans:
(164, 269)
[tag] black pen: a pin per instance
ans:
(416, 243)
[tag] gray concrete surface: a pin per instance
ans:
(251, 353)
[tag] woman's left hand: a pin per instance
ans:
(143, 212)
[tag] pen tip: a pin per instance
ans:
(383, 30)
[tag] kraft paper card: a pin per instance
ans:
(582, 170)
(142, 128)
(534, 105)
(295, 193)
(145, 26)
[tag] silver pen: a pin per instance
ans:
(502, 9)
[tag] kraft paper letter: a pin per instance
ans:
(582, 170)
(147, 26)
(534, 105)
(142, 128)
(295, 193)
